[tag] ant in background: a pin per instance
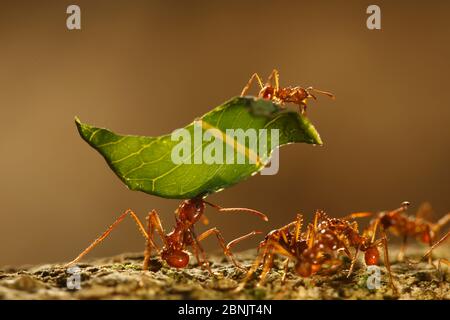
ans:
(182, 235)
(402, 225)
(272, 91)
(318, 248)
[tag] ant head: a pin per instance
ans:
(192, 206)
(303, 268)
(267, 92)
(176, 258)
(371, 256)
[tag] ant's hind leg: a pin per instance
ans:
(249, 83)
(108, 231)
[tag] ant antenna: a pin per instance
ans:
(251, 211)
(326, 93)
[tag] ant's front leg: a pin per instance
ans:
(249, 83)
(108, 231)
(153, 222)
(261, 256)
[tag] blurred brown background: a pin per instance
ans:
(148, 67)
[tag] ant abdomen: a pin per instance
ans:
(371, 256)
(176, 259)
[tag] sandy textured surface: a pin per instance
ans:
(121, 277)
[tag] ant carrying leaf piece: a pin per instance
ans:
(272, 91)
(317, 249)
(182, 235)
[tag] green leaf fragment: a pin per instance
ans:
(146, 163)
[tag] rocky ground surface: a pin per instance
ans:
(121, 277)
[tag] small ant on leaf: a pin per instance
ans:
(182, 235)
(272, 91)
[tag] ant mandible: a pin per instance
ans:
(182, 235)
(274, 92)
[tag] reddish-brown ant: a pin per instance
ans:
(319, 247)
(400, 224)
(272, 91)
(183, 235)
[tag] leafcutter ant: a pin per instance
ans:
(318, 248)
(271, 90)
(400, 224)
(175, 243)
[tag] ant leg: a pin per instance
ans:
(285, 271)
(401, 254)
(428, 253)
(267, 265)
(443, 221)
(226, 248)
(275, 75)
(302, 108)
(276, 248)
(199, 249)
(249, 83)
(356, 215)
(352, 265)
(148, 246)
(425, 211)
(153, 222)
(386, 260)
(261, 255)
(234, 242)
(250, 211)
(108, 231)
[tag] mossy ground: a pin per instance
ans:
(121, 277)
